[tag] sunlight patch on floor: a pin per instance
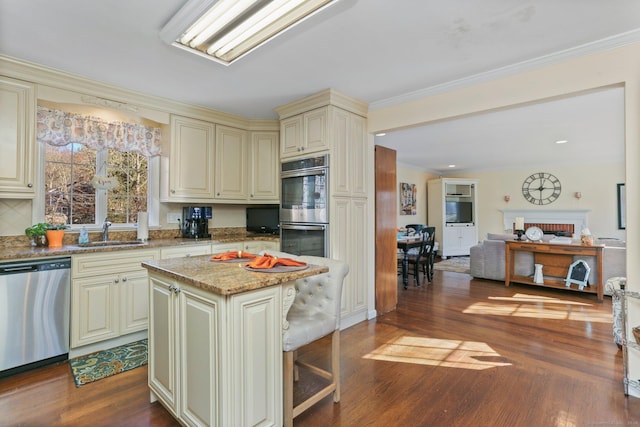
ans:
(535, 306)
(438, 352)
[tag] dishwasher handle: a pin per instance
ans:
(18, 269)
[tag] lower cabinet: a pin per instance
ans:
(109, 296)
(256, 246)
(215, 360)
(458, 240)
(251, 246)
(185, 251)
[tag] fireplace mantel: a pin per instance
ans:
(577, 217)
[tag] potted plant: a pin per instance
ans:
(38, 233)
(55, 234)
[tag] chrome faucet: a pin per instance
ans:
(105, 230)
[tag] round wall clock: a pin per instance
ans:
(541, 188)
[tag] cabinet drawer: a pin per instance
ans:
(111, 262)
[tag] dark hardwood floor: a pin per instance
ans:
(458, 352)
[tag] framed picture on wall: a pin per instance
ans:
(407, 199)
(622, 205)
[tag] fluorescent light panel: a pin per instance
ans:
(226, 30)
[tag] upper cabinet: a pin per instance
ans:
(305, 133)
(17, 139)
(191, 161)
(231, 181)
(349, 153)
(213, 163)
(264, 170)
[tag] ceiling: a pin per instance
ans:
(378, 51)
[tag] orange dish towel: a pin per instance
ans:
(268, 261)
(227, 256)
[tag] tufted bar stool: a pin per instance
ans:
(314, 314)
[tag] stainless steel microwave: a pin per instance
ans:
(305, 191)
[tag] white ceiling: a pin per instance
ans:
(378, 51)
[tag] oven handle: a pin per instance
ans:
(303, 227)
(308, 172)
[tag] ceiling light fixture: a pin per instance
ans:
(452, 166)
(226, 30)
(380, 134)
(562, 141)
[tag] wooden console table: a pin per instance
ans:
(556, 259)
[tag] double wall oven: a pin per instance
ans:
(304, 206)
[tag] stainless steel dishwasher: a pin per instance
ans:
(34, 313)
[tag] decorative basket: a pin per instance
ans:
(636, 333)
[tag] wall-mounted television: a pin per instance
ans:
(459, 212)
(263, 219)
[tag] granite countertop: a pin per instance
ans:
(27, 252)
(224, 278)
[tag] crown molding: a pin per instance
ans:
(602, 45)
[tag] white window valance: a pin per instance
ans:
(60, 128)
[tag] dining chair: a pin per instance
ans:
(423, 258)
(314, 314)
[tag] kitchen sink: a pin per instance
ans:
(111, 243)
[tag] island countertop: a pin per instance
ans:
(224, 278)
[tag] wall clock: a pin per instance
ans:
(541, 188)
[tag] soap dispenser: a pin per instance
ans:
(84, 236)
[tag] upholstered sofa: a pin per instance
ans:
(487, 259)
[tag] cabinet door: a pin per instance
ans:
(201, 358)
(255, 326)
(315, 130)
(231, 164)
(163, 355)
(358, 147)
(291, 130)
(94, 310)
(341, 153)
(264, 167)
(192, 159)
(134, 302)
(458, 240)
(348, 232)
(17, 140)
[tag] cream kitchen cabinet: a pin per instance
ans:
(17, 139)
(256, 246)
(202, 345)
(108, 295)
(305, 133)
(264, 167)
(191, 161)
(349, 217)
(251, 246)
(217, 248)
(231, 174)
(185, 251)
(348, 153)
(336, 124)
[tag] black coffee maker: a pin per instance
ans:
(196, 222)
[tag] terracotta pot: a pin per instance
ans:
(54, 237)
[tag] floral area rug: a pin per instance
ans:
(455, 264)
(102, 364)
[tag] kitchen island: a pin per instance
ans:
(215, 339)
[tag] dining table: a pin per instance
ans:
(406, 243)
